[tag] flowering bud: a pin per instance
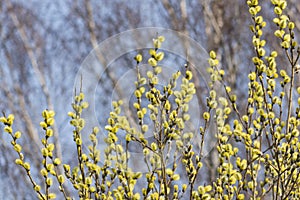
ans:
(138, 58)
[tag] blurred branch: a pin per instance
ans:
(34, 64)
(184, 18)
(171, 12)
(211, 21)
(93, 39)
(30, 129)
